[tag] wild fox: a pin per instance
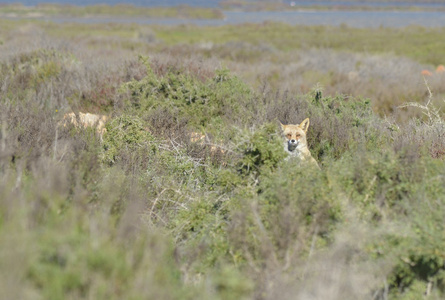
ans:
(295, 143)
(85, 120)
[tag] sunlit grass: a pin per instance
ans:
(419, 43)
(384, 64)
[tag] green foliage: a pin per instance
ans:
(262, 150)
(341, 124)
(62, 269)
(149, 211)
(231, 284)
(203, 227)
(302, 190)
(74, 249)
(185, 95)
(174, 89)
(34, 68)
(416, 42)
(294, 203)
(421, 260)
(126, 136)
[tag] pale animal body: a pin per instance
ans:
(197, 137)
(86, 120)
(295, 143)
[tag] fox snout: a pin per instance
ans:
(295, 135)
(292, 144)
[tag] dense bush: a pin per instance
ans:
(127, 139)
(211, 102)
(188, 194)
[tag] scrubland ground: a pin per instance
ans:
(188, 195)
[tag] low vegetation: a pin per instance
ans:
(149, 211)
(103, 10)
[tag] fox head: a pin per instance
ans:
(295, 135)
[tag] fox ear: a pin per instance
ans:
(282, 126)
(305, 125)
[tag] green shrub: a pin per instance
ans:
(183, 95)
(127, 139)
(32, 69)
(230, 283)
(420, 255)
(291, 203)
(148, 213)
(63, 270)
(340, 124)
(262, 150)
(202, 232)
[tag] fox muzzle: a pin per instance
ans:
(292, 145)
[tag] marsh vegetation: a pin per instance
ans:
(102, 10)
(149, 212)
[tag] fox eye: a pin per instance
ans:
(298, 135)
(288, 135)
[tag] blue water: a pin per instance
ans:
(214, 3)
(358, 19)
(334, 18)
(367, 3)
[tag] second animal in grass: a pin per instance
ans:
(295, 143)
(84, 120)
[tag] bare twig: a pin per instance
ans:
(429, 110)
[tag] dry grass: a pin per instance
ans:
(387, 80)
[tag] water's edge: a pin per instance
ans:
(367, 19)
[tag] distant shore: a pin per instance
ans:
(102, 10)
(353, 19)
(185, 12)
(240, 5)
